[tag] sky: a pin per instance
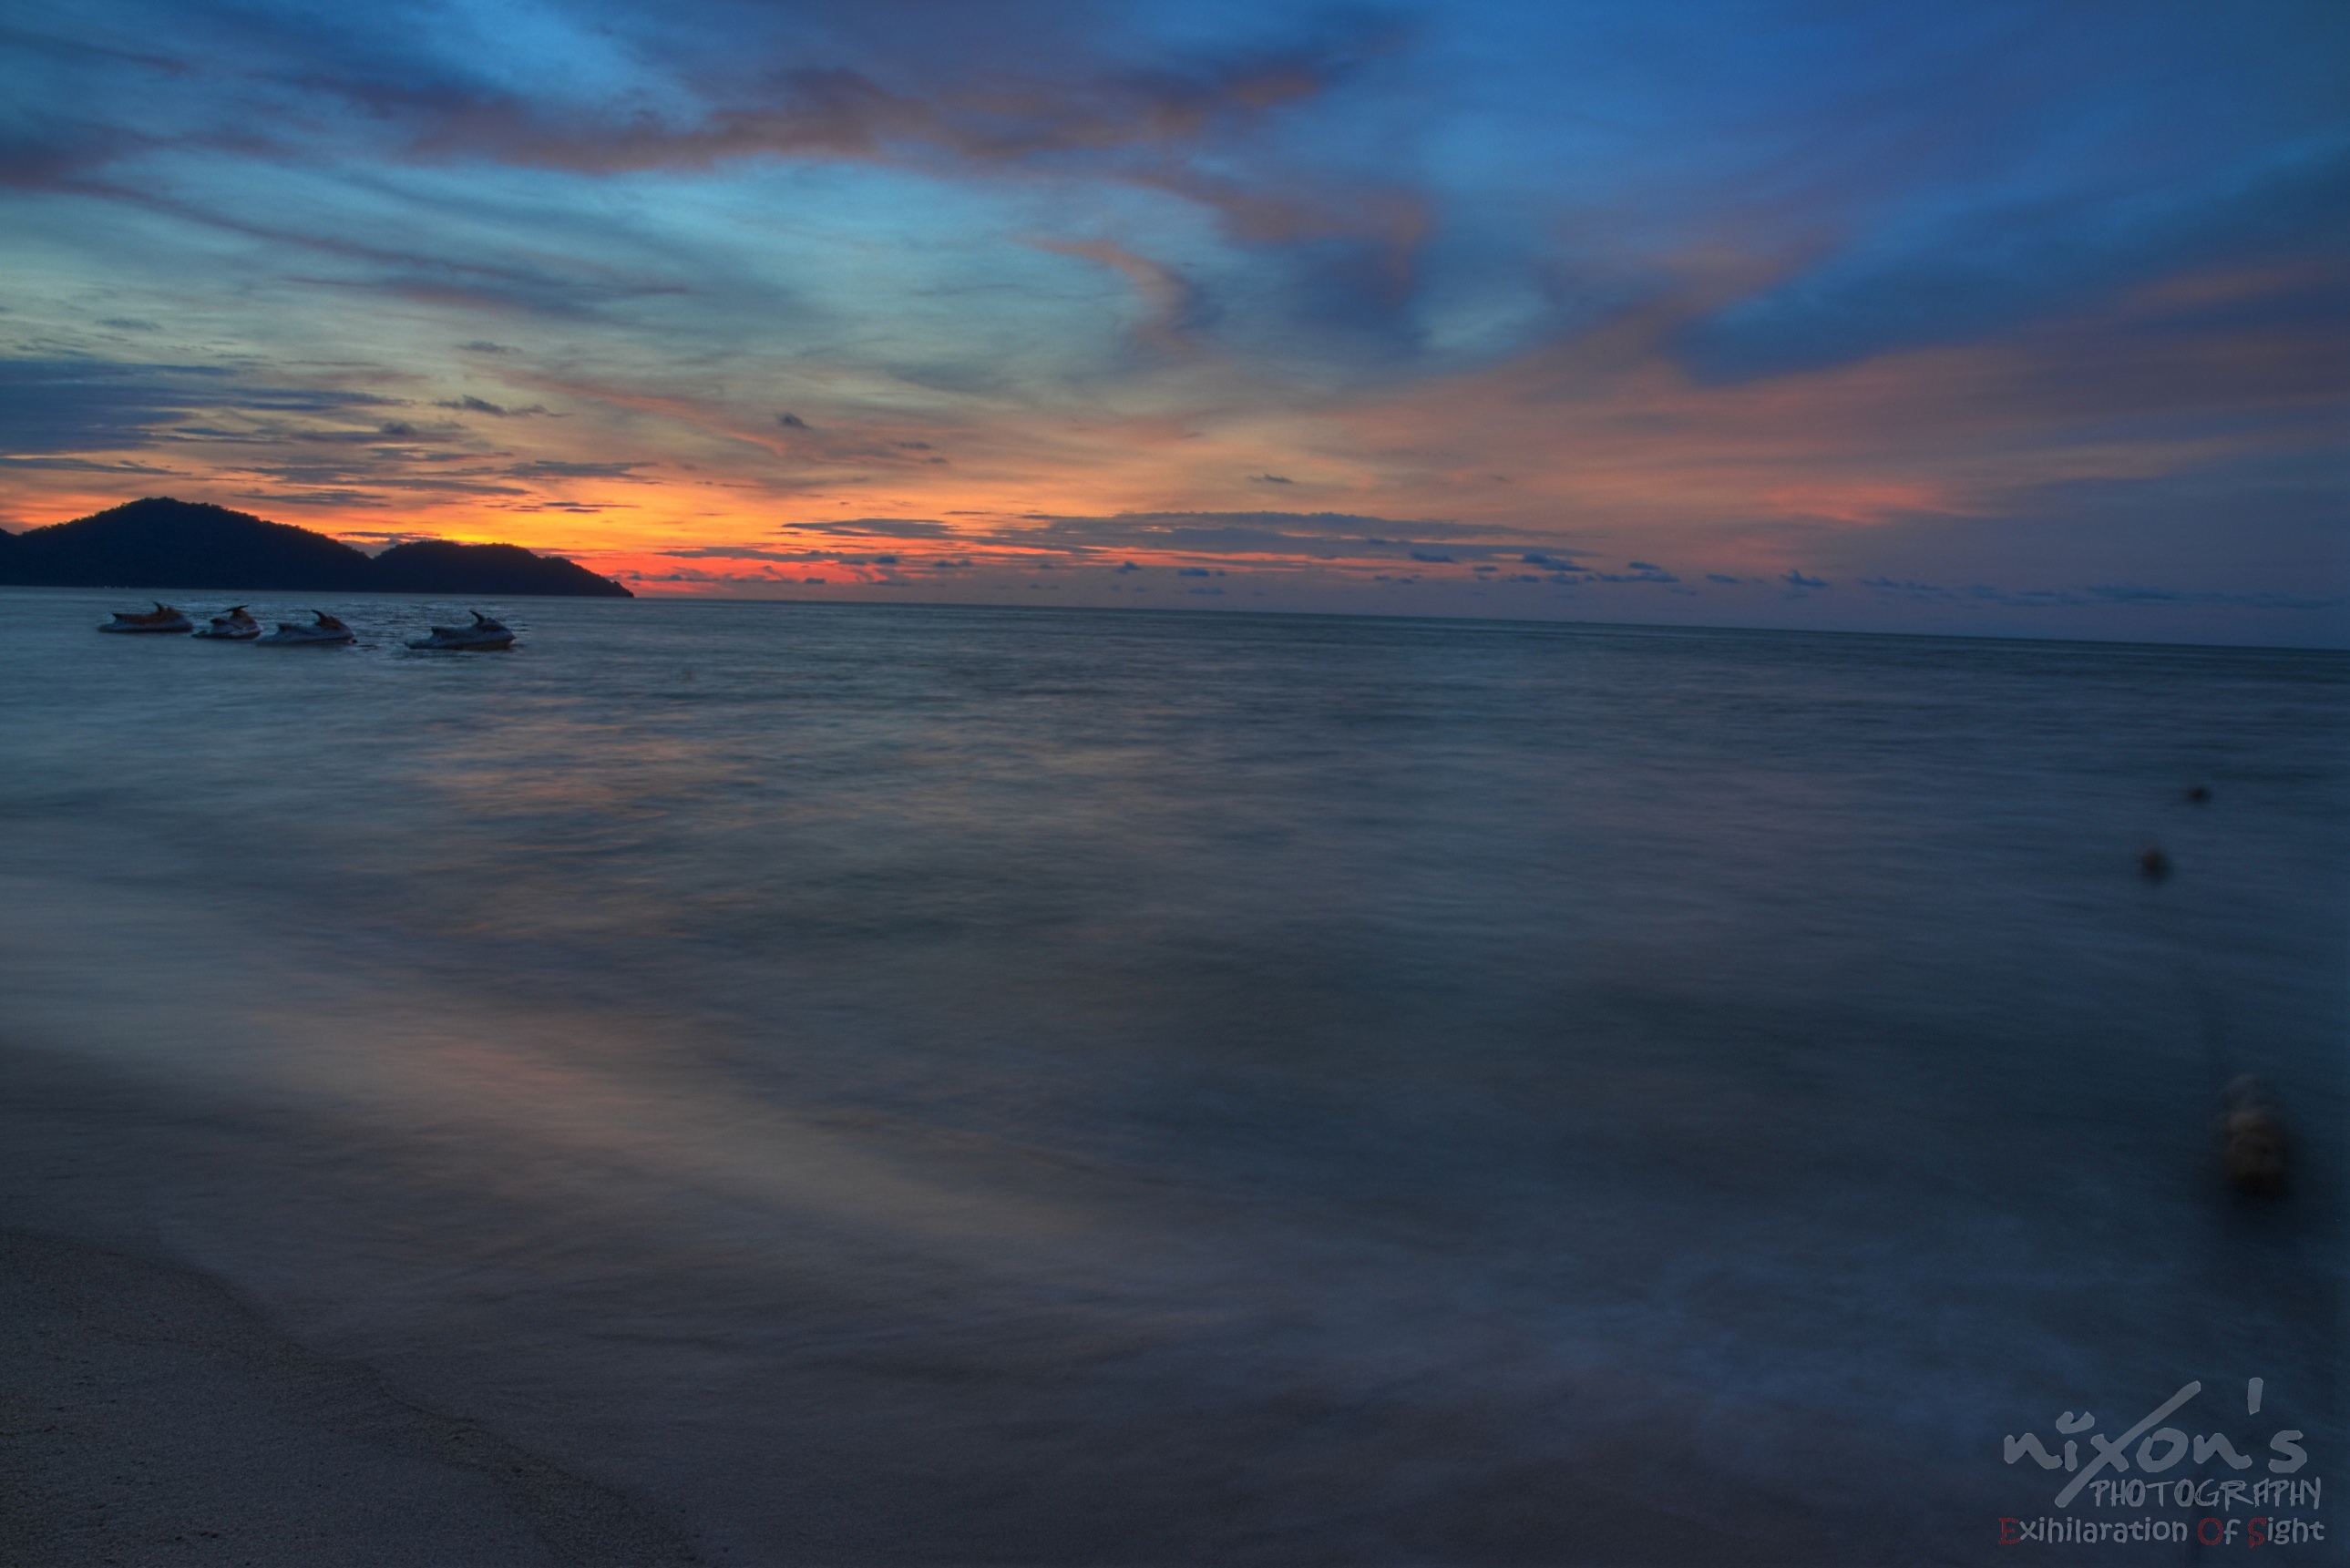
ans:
(2011, 319)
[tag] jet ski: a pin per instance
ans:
(232, 625)
(162, 617)
(483, 634)
(327, 629)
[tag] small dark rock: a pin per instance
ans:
(2254, 1150)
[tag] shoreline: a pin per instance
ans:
(152, 1418)
(151, 1414)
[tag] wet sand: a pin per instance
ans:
(149, 1417)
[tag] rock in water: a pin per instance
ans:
(2255, 1150)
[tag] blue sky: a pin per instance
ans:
(2023, 319)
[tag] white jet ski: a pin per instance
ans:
(483, 634)
(162, 617)
(327, 629)
(232, 625)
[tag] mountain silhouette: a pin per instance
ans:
(433, 566)
(160, 543)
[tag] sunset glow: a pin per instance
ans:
(2019, 319)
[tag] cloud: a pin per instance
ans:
(2111, 592)
(876, 527)
(1174, 308)
(1326, 535)
(83, 465)
(549, 467)
(390, 430)
(1908, 589)
(842, 112)
(1157, 127)
(383, 540)
(1994, 263)
(473, 405)
(320, 478)
(743, 552)
(1899, 313)
(956, 97)
(2136, 593)
(57, 405)
(339, 500)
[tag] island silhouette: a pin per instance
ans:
(161, 543)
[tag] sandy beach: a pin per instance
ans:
(150, 1417)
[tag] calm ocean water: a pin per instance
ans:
(931, 1085)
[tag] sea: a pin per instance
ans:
(932, 1085)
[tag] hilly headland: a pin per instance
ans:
(160, 543)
